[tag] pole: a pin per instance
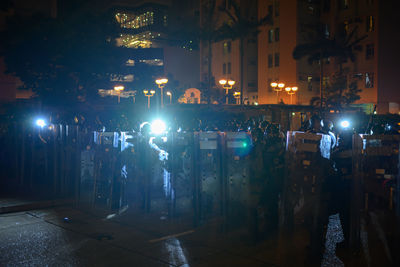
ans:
(162, 96)
(321, 81)
(241, 68)
(119, 95)
(291, 99)
(148, 102)
(226, 95)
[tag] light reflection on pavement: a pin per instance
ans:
(176, 254)
(334, 235)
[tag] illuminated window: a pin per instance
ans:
(370, 24)
(165, 20)
(130, 62)
(346, 27)
(309, 83)
(152, 62)
(128, 78)
(369, 51)
(135, 40)
(326, 30)
(369, 80)
(270, 36)
(227, 48)
(132, 21)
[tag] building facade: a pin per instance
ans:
(373, 67)
(368, 24)
(147, 29)
(223, 60)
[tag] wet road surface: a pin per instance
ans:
(70, 237)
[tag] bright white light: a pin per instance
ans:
(345, 124)
(40, 122)
(158, 127)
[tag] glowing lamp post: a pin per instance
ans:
(291, 91)
(277, 87)
(227, 85)
(148, 94)
(161, 84)
(119, 88)
(236, 95)
(170, 97)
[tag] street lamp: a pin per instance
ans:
(148, 94)
(119, 88)
(170, 96)
(291, 91)
(227, 85)
(277, 86)
(236, 95)
(161, 84)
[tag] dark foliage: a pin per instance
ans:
(63, 60)
(342, 47)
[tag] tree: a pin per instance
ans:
(241, 25)
(64, 60)
(339, 93)
(342, 47)
(208, 34)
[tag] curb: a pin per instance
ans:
(36, 205)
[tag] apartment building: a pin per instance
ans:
(268, 56)
(375, 64)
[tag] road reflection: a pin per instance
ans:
(176, 254)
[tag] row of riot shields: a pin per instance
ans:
(379, 171)
(42, 162)
(227, 176)
(345, 184)
(199, 176)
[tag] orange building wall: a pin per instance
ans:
(287, 71)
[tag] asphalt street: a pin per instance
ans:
(71, 237)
